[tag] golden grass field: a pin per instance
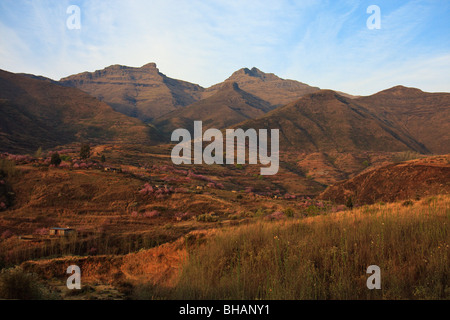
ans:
(321, 257)
(324, 257)
(210, 242)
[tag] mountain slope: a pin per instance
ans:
(266, 86)
(144, 92)
(228, 106)
(402, 181)
(36, 112)
(327, 121)
(424, 116)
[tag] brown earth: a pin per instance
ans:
(108, 210)
(422, 115)
(37, 112)
(228, 106)
(326, 121)
(403, 181)
(143, 92)
(160, 265)
(397, 119)
(147, 94)
(266, 86)
(117, 250)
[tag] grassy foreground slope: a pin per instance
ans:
(153, 231)
(321, 257)
(324, 257)
(414, 179)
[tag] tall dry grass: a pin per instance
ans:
(324, 257)
(17, 284)
(15, 252)
(8, 168)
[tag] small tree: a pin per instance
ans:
(289, 212)
(85, 151)
(17, 284)
(349, 202)
(38, 153)
(103, 158)
(56, 159)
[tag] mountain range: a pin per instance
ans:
(422, 115)
(148, 94)
(143, 93)
(266, 86)
(328, 121)
(226, 107)
(122, 103)
(37, 112)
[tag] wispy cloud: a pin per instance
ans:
(322, 43)
(369, 60)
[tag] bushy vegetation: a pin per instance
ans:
(17, 284)
(38, 153)
(289, 212)
(66, 158)
(406, 156)
(325, 257)
(85, 151)
(207, 217)
(55, 159)
(7, 168)
(85, 243)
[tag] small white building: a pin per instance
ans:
(61, 231)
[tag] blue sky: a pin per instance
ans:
(322, 43)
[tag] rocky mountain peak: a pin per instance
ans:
(229, 85)
(253, 73)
